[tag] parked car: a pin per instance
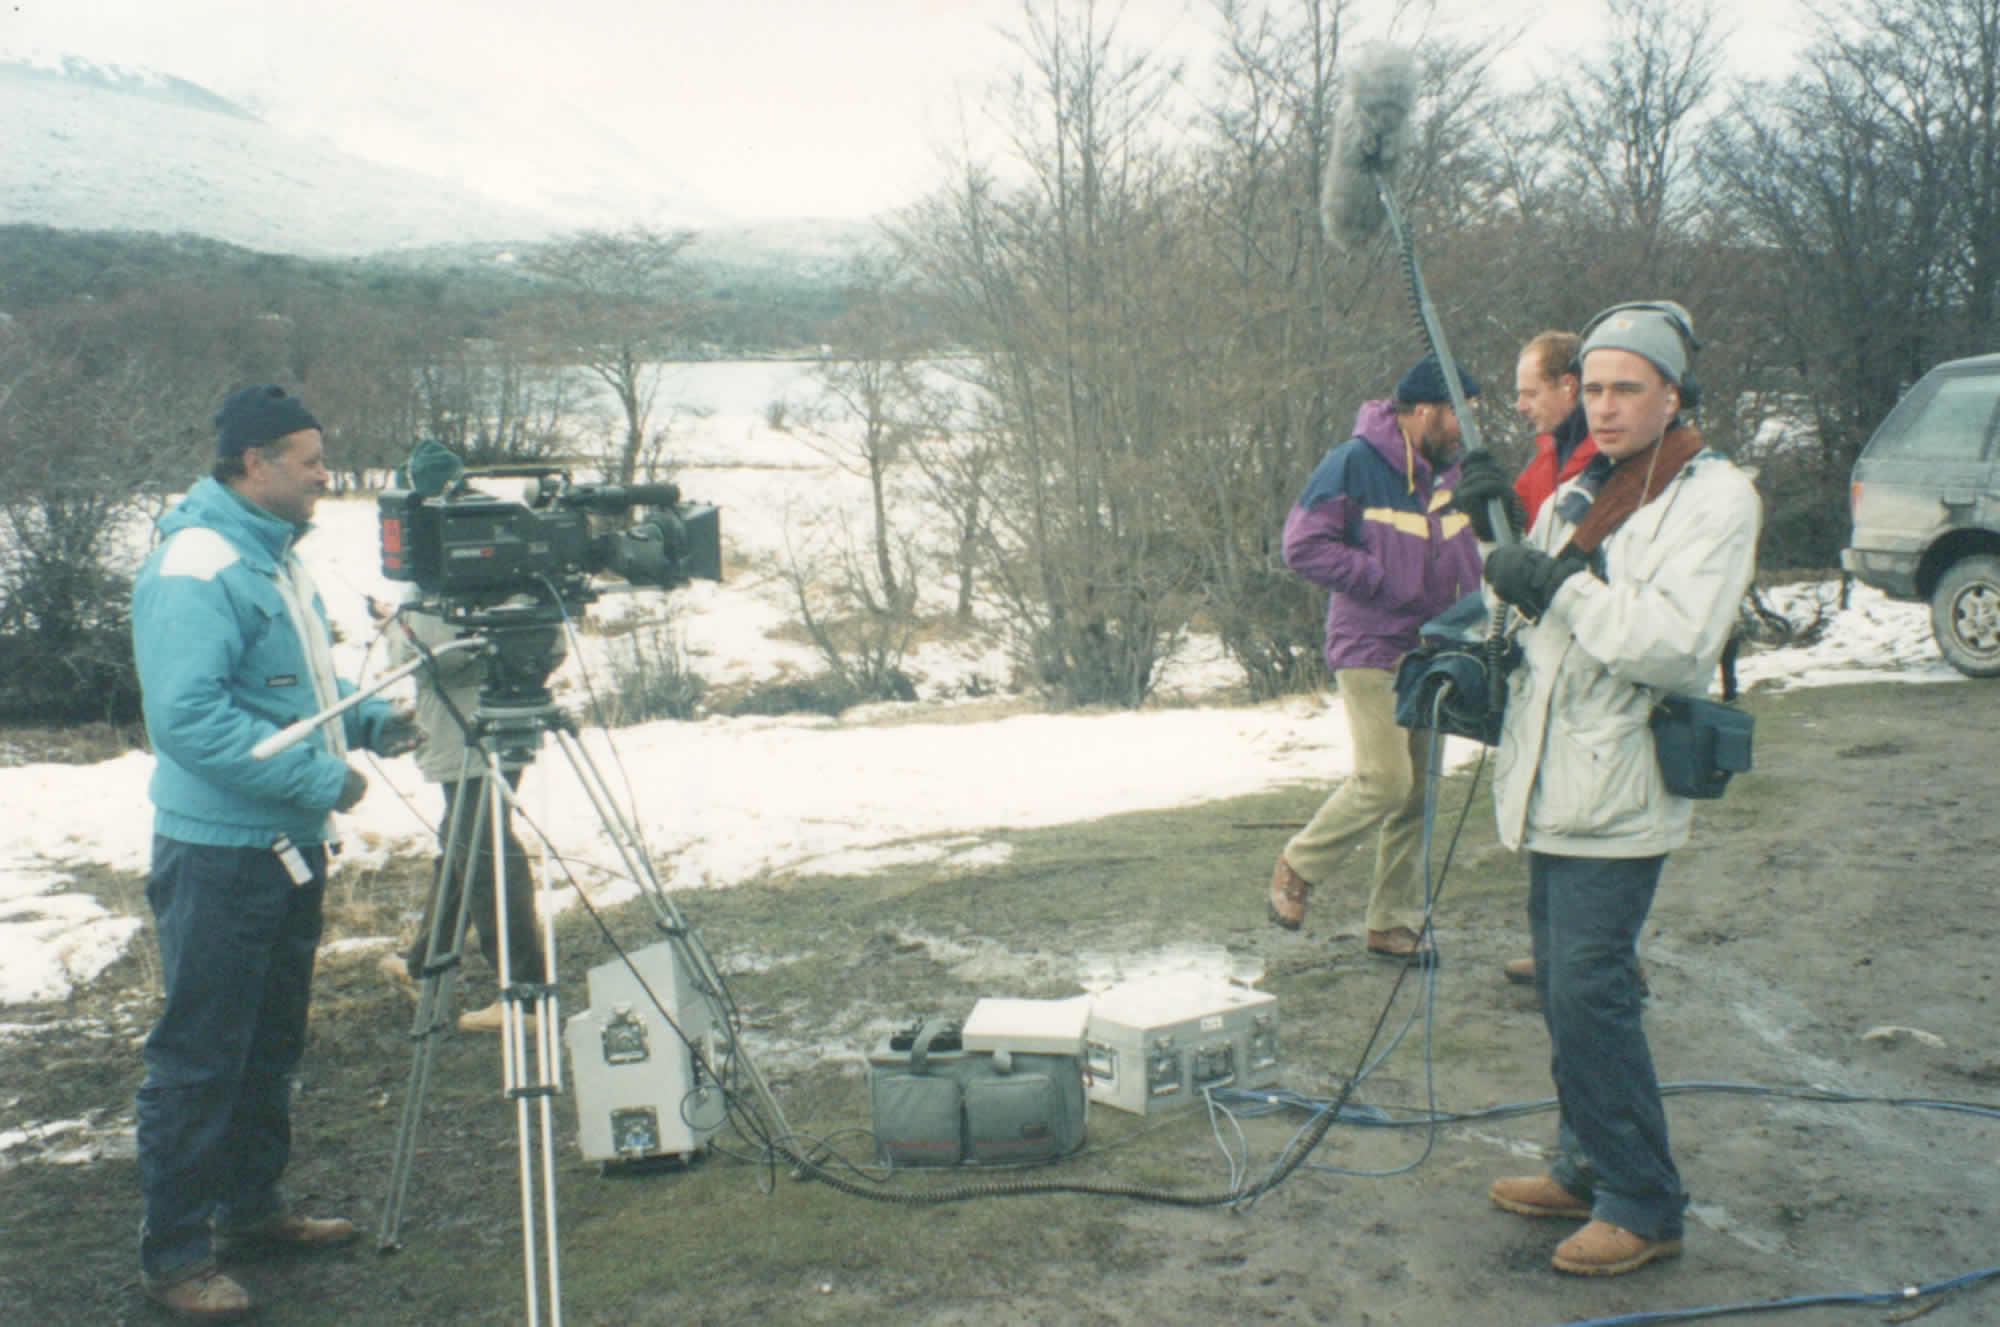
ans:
(1926, 504)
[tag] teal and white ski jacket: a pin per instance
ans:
(233, 644)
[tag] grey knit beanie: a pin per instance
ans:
(1659, 331)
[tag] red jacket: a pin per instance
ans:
(1559, 457)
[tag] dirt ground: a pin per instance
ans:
(1846, 887)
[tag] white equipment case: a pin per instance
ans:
(640, 1093)
(1151, 1046)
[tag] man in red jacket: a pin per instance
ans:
(1546, 392)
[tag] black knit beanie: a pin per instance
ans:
(1424, 384)
(256, 416)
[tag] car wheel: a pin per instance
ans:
(1965, 615)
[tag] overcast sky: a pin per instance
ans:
(762, 107)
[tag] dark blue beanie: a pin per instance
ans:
(257, 416)
(1424, 384)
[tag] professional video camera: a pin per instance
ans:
(470, 550)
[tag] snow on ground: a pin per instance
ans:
(1873, 639)
(721, 801)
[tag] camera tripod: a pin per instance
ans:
(513, 714)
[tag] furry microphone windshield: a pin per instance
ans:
(1371, 132)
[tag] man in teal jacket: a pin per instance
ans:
(233, 645)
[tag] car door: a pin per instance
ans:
(1930, 468)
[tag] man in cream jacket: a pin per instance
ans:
(1628, 584)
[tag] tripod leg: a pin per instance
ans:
(529, 1066)
(445, 918)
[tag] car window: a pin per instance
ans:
(1952, 422)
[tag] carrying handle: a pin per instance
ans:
(932, 1029)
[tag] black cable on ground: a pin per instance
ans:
(1259, 1100)
(1904, 1295)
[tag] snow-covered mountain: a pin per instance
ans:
(96, 147)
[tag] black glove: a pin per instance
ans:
(397, 735)
(351, 789)
(1527, 577)
(1480, 480)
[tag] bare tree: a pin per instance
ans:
(860, 633)
(856, 591)
(1630, 115)
(1873, 176)
(868, 404)
(493, 400)
(957, 460)
(1060, 287)
(1266, 383)
(623, 307)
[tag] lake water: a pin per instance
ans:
(733, 386)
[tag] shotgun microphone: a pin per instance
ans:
(1371, 134)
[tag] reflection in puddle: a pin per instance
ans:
(1179, 969)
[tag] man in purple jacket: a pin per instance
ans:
(1375, 526)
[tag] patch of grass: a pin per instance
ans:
(822, 693)
(649, 678)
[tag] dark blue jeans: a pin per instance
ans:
(1611, 1136)
(237, 940)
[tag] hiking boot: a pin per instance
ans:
(1602, 1249)
(492, 1019)
(1537, 1195)
(1289, 891)
(206, 1295)
(1401, 943)
(284, 1233)
(397, 972)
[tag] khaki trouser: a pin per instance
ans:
(1383, 794)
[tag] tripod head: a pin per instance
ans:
(523, 644)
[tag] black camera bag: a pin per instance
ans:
(1700, 743)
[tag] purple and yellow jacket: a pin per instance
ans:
(1374, 526)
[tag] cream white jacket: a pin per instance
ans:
(1575, 774)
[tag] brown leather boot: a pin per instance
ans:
(207, 1295)
(1401, 943)
(1537, 1195)
(1289, 892)
(1602, 1249)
